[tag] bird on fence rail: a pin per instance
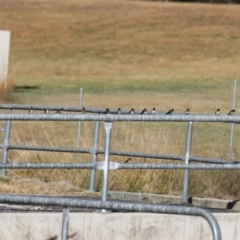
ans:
(144, 111)
(107, 111)
(31, 110)
(60, 111)
(217, 112)
(83, 110)
(154, 110)
(128, 160)
(46, 111)
(187, 111)
(231, 112)
(170, 112)
(119, 111)
(132, 111)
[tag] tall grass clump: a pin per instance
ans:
(6, 90)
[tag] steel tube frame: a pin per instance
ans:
(177, 166)
(117, 153)
(6, 143)
(187, 155)
(117, 205)
(47, 166)
(94, 155)
(48, 149)
(116, 166)
(121, 117)
(65, 224)
(79, 122)
(68, 108)
(108, 131)
(232, 125)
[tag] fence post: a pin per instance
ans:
(79, 122)
(65, 223)
(108, 130)
(94, 155)
(187, 155)
(5, 143)
(232, 124)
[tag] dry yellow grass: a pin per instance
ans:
(5, 91)
(126, 54)
(114, 42)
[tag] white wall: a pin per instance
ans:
(4, 54)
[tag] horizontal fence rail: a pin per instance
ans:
(121, 117)
(117, 153)
(27, 107)
(116, 166)
(116, 205)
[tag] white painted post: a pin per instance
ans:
(4, 55)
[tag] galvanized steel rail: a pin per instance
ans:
(110, 165)
(96, 151)
(114, 205)
(121, 117)
(119, 166)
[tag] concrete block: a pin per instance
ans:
(116, 226)
(4, 54)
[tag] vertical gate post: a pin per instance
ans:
(187, 155)
(65, 223)
(79, 122)
(94, 155)
(232, 125)
(108, 130)
(5, 143)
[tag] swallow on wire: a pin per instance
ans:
(107, 111)
(154, 110)
(231, 112)
(46, 111)
(60, 111)
(170, 112)
(217, 112)
(128, 160)
(119, 111)
(83, 110)
(187, 111)
(31, 110)
(144, 111)
(132, 111)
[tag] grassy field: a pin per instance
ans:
(124, 54)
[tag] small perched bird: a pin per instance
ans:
(31, 110)
(107, 111)
(128, 160)
(46, 111)
(154, 110)
(119, 111)
(170, 112)
(217, 112)
(144, 111)
(231, 112)
(60, 111)
(132, 111)
(83, 110)
(187, 111)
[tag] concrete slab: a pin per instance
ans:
(117, 226)
(165, 199)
